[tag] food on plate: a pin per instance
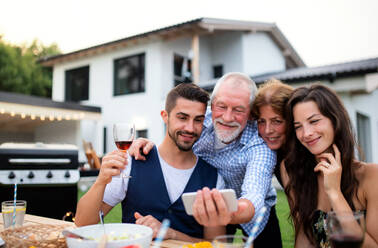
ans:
(204, 244)
(118, 235)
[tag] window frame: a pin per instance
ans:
(68, 89)
(179, 74)
(141, 74)
(142, 131)
(364, 136)
(216, 69)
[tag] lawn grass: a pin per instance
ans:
(114, 216)
(287, 231)
(282, 207)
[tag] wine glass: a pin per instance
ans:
(123, 134)
(346, 229)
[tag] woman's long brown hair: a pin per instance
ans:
(302, 189)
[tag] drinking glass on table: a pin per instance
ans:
(8, 209)
(123, 134)
(346, 229)
(230, 241)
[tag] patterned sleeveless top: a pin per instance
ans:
(319, 229)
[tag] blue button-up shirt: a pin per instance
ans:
(246, 165)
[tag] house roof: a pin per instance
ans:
(196, 26)
(330, 72)
(17, 98)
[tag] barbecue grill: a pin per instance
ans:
(46, 175)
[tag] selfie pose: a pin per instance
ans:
(230, 142)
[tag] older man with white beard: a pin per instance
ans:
(230, 142)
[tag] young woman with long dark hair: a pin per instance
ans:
(320, 172)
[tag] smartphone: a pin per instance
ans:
(229, 197)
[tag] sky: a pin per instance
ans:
(322, 31)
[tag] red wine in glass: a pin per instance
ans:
(123, 134)
(123, 145)
(346, 229)
(346, 241)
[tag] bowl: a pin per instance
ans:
(119, 235)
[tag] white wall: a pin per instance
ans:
(251, 53)
(261, 55)
(91, 131)
(363, 103)
(206, 58)
(62, 132)
(226, 50)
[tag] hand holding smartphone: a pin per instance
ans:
(229, 197)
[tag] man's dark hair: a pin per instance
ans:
(187, 91)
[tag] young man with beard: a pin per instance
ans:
(154, 190)
(230, 142)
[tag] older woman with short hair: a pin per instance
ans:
(269, 111)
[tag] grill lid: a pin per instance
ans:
(38, 156)
(38, 164)
(38, 145)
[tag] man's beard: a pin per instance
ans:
(224, 135)
(183, 147)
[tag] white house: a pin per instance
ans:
(129, 78)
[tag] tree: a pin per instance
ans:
(20, 72)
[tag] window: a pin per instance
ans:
(129, 75)
(364, 136)
(77, 84)
(217, 71)
(143, 133)
(182, 68)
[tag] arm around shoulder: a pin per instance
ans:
(140, 147)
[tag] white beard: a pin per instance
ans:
(224, 135)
